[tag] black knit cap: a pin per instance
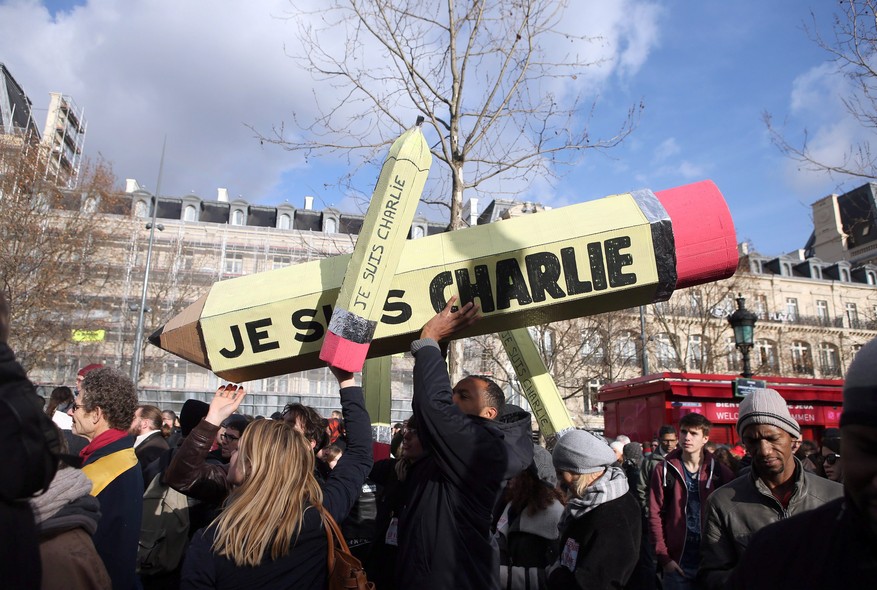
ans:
(860, 389)
(191, 414)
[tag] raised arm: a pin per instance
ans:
(458, 441)
(189, 473)
(344, 484)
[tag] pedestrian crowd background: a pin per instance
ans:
(136, 497)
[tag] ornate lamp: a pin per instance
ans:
(743, 323)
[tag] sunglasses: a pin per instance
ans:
(831, 459)
(231, 437)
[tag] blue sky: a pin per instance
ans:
(200, 71)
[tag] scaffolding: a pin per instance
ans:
(63, 140)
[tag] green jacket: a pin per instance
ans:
(737, 510)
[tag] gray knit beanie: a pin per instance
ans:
(579, 451)
(766, 406)
(860, 388)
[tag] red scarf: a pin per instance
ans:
(102, 440)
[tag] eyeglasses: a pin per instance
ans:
(231, 437)
(74, 406)
(831, 459)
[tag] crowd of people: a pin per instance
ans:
(462, 498)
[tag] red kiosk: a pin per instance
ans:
(638, 407)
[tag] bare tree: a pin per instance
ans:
(479, 71)
(503, 107)
(48, 260)
(594, 349)
(689, 332)
(853, 48)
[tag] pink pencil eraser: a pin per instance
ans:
(706, 243)
(342, 353)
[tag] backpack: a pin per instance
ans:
(164, 532)
(30, 439)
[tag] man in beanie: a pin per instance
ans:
(474, 444)
(777, 487)
(835, 545)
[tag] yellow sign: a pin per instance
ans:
(89, 335)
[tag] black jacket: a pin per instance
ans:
(827, 547)
(305, 565)
(19, 553)
(606, 540)
(444, 529)
(152, 447)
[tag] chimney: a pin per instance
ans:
(131, 185)
(470, 211)
(222, 195)
(309, 202)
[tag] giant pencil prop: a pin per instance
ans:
(377, 383)
(378, 249)
(537, 385)
(613, 253)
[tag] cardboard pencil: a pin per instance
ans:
(377, 251)
(537, 385)
(613, 253)
(377, 386)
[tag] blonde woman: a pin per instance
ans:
(600, 527)
(270, 533)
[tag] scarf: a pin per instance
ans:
(611, 486)
(102, 440)
(69, 484)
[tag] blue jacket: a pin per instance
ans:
(121, 507)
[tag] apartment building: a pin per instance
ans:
(813, 314)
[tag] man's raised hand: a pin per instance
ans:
(447, 322)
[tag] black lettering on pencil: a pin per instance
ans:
(238, 349)
(257, 337)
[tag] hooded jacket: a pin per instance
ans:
(738, 510)
(66, 549)
(644, 482)
(24, 475)
(668, 501)
(445, 539)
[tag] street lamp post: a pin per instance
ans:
(743, 323)
(152, 226)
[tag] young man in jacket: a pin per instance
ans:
(444, 529)
(678, 493)
(777, 487)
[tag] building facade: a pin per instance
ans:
(813, 314)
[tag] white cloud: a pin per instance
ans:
(816, 90)
(666, 149)
(200, 71)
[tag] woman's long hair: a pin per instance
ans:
(60, 396)
(267, 509)
(526, 491)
